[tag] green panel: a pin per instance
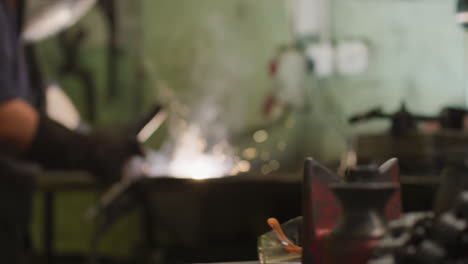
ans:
(215, 49)
(416, 56)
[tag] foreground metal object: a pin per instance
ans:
(363, 222)
(430, 239)
(438, 237)
(364, 195)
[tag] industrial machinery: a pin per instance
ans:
(347, 233)
(438, 236)
(423, 154)
(358, 219)
(427, 239)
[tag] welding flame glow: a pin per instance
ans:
(190, 157)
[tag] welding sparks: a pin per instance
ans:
(274, 165)
(266, 169)
(221, 149)
(282, 146)
(204, 166)
(265, 156)
(249, 153)
(191, 158)
(260, 136)
(270, 167)
(244, 166)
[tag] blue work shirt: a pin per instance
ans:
(14, 77)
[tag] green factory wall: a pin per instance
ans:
(214, 55)
(416, 57)
(193, 50)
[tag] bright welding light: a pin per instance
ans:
(249, 153)
(189, 158)
(244, 166)
(198, 168)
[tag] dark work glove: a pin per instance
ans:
(101, 153)
(110, 151)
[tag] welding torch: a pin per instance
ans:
(135, 168)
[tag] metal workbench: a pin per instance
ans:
(276, 194)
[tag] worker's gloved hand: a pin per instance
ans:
(102, 153)
(110, 152)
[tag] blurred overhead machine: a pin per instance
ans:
(47, 18)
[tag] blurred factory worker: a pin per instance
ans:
(27, 135)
